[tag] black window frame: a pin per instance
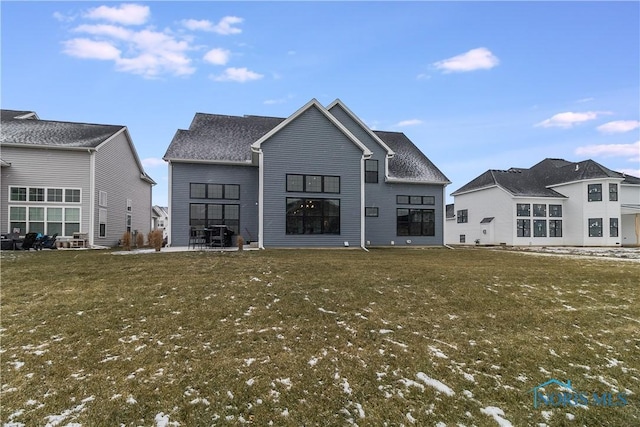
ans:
(555, 211)
(371, 172)
(613, 192)
(409, 227)
(206, 221)
(595, 226)
(539, 228)
(404, 199)
(539, 210)
(462, 216)
(18, 194)
(206, 188)
(521, 211)
(523, 227)
(324, 184)
(594, 192)
(555, 228)
(309, 219)
(614, 227)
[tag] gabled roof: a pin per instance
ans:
(213, 137)
(217, 138)
(539, 180)
(409, 164)
(159, 211)
(24, 128)
(316, 105)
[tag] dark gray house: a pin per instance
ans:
(319, 178)
(66, 178)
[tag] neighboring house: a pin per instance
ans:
(160, 219)
(66, 178)
(553, 203)
(319, 178)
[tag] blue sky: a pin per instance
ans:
(475, 85)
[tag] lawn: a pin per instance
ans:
(425, 337)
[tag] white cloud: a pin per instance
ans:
(240, 75)
(153, 162)
(106, 30)
(90, 49)
(126, 14)
(62, 17)
(411, 122)
(631, 151)
(475, 59)
(632, 172)
(226, 26)
(619, 126)
(217, 56)
(568, 119)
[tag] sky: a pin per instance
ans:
(475, 85)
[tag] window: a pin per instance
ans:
(463, 238)
(539, 209)
(524, 228)
(102, 198)
(613, 193)
(18, 194)
(36, 220)
(523, 209)
(462, 216)
(555, 228)
(371, 171)
(128, 223)
(102, 222)
(203, 215)
(214, 191)
(555, 211)
(71, 221)
(595, 192)
(415, 200)
(129, 205)
(613, 227)
(54, 195)
(54, 221)
(313, 183)
(36, 194)
(416, 222)
(371, 211)
(72, 196)
(595, 227)
(313, 216)
(18, 219)
(539, 228)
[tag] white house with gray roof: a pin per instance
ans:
(66, 178)
(319, 178)
(553, 203)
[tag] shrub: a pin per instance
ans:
(139, 240)
(155, 239)
(126, 241)
(240, 243)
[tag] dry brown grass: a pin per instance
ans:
(313, 337)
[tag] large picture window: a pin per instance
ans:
(313, 183)
(555, 210)
(214, 191)
(202, 215)
(555, 228)
(539, 228)
(523, 209)
(416, 222)
(539, 209)
(313, 216)
(45, 220)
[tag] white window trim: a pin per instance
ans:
(46, 208)
(46, 193)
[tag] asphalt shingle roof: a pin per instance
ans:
(221, 138)
(533, 182)
(52, 133)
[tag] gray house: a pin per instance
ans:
(66, 178)
(319, 178)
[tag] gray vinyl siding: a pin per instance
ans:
(382, 230)
(182, 174)
(45, 168)
(311, 145)
(118, 174)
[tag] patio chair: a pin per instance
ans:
(197, 238)
(29, 241)
(47, 242)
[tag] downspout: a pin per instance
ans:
(363, 202)
(259, 152)
(169, 226)
(92, 196)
